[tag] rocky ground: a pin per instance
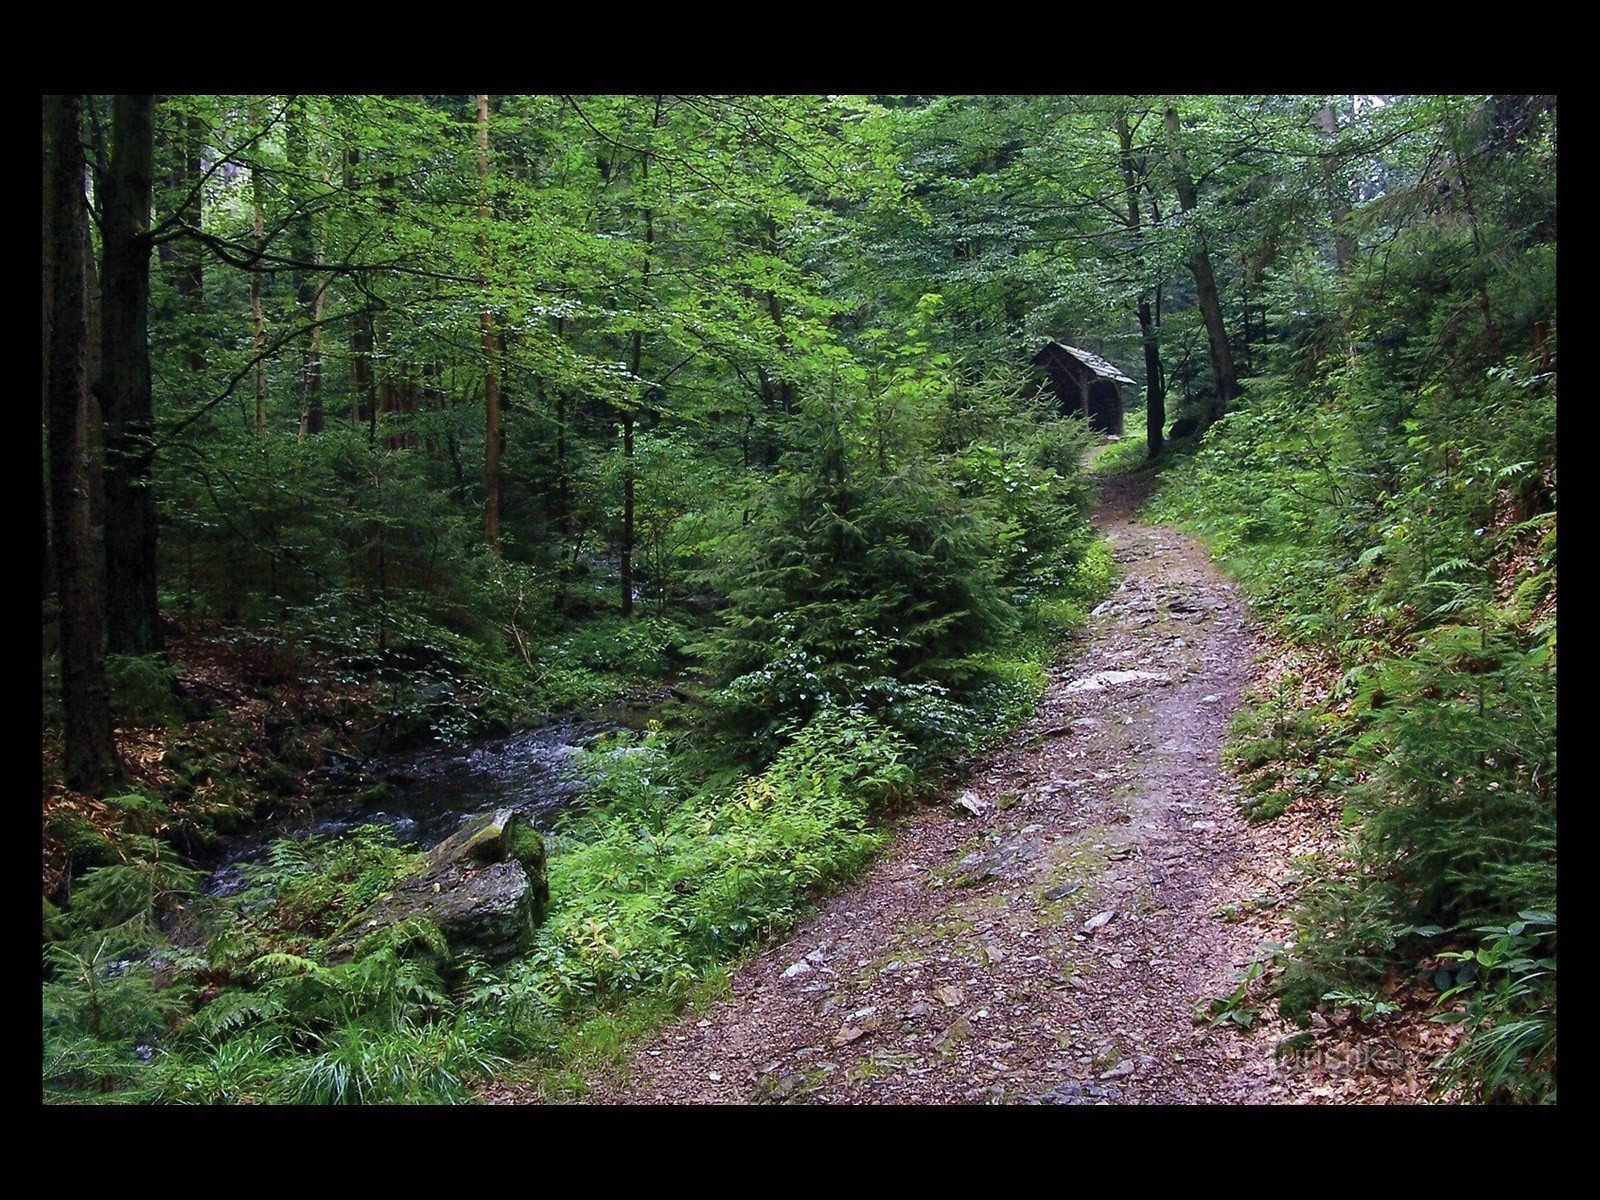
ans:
(1046, 935)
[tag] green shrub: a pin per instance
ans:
(144, 691)
(1387, 497)
(656, 884)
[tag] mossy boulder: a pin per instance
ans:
(527, 848)
(484, 888)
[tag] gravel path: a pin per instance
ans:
(1045, 936)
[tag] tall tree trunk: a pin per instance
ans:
(785, 387)
(1155, 411)
(1327, 122)
(635, 365)
(1207, 298)
(90, 757)
(626, 571)
(180, 152)
(389, 388)
(191, 276)
(47, 573)
(563, 497)
(363, 395)
(491, 382)
(132, 620)
(1482, 273)
(312, 420)
(258, 326)
(384, 368)
(1155, 419)
(303, 250)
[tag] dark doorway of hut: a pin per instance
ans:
(1084, 383)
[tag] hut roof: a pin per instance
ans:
(1093, 361)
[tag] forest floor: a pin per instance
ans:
(1046, 934)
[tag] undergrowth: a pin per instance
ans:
(1422, 580)
(680, 861)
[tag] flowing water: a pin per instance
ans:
(433, 791)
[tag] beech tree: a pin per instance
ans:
(90, 756)
(1207, 298)
(132, 619)
(491, 349)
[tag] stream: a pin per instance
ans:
(434, 790)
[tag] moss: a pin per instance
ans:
(377, 793)
(1106, 1058)
(87, 845)
(777, 1088)
(527, 846)
(1268, 806)
(865, 1071)
(1073, 865)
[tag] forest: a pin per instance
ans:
(798, 599)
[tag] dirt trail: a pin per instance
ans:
(977, 962)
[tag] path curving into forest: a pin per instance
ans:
(976, 961)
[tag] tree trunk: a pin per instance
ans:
(191, 274)
(1327, 122)
(1155, 412)
(303, 250)
(1154, 386)
(785, 388)
(563, 498)
(1207, 298)
(90, 756)
(1482, 273)
(180, 158)
(491, 382)
(626, 571)
(47, 573)
(312, 419)
(258, 327)
(132, 620)
(384, 367)
(636, 364)
(363, 398)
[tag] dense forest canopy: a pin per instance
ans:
(379, 421)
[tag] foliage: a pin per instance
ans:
(1389, 502)
(772, 468)
(665, 883)
(881, 574)
(1510, 979)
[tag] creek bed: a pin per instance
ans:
(432, 791)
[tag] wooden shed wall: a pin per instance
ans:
(1070, 380)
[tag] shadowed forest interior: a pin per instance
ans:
(507, 562)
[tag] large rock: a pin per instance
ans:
(484, 887)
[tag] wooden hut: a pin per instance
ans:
(1084, 383)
